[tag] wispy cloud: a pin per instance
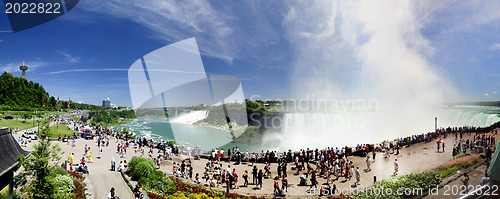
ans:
(173, 21)
(495, 46)
(14, 66)
(70, 58)
(115, 69)
(224, 30)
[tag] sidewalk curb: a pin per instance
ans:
(129, 183)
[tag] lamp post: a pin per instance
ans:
(38, 128)
(435, 124)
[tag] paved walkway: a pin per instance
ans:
(100, 177)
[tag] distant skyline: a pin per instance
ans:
(273, 47)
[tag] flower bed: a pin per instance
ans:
(452, 166)
(459, 156)
(396, 186)
(79, 191)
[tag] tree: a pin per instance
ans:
(25, 115)
(39, 166)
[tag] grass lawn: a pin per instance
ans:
(63, 130)
(20, 124)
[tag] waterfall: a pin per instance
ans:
(190, 118)
(318, 130)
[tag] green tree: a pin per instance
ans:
(25, 115)
(41, 167)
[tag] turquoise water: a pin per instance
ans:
(159, 128)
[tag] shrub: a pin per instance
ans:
(159, 182)
(142, 169)
(134, 161)
(64, 185)
(60, 170)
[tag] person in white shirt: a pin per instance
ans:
(357, 176)
(396, 167)
(485, 180)
(121, 166)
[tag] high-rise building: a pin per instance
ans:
(106, 103)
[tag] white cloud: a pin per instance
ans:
(495, 46)
(115, 69)
(70, 58)
(494, 92)
(14, 66)
(486, 94)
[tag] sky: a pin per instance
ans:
(278, 49)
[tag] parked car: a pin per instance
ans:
(8, 117)
(30, 134)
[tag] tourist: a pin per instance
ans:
(254, 175)
(357, 176)
(113, 163)
(368, 163)
(485, 180)
(245, 177)
(90, 156)
(465, 183)
(197, 178)
(284, 183)
(112, 194)
(278, 168)
(283, 168)
(396, 167)
(276, 189)
(313, 180)
(260, 176)
(488, 154)
(137, 192)
(235, 179)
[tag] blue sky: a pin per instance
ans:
(276, 48)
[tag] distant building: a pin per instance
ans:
(106, 103)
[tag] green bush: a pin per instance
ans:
(134, 161)
(64, 185)
(60, 170)
(141, 169)
(412, 181)
(159, 182)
